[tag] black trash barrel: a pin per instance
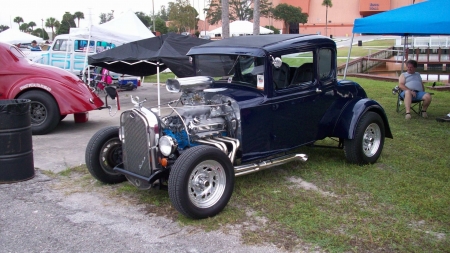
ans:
(16, 143)
(359, 43)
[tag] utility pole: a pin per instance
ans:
(42, 27)
(153, 16)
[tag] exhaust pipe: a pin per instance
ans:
(255, 167)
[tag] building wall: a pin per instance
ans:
(341, 15)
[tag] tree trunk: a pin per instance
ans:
(326, 22)
(256, 17)
(225, 19)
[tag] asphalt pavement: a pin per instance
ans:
(56, 214)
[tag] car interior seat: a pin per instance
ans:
(303, 75)
(281, 76)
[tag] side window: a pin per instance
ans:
(297, 70)
(81, 45)
(60, 45)
(102, 46)
(325, 63)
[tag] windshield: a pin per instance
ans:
(239, 69)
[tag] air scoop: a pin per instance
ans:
(189, 84)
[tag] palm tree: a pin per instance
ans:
(23, 27)
(18, 20)
(3, 28)
(78, 15)
(50, 23)
(256, 14)
(57, 25)
(32, 24)
(225, 19)
(327, 3)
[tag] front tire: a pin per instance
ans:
(44, 111)
(367, 144)
(201, 182)
(103, 153)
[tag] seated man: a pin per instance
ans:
(412, 88)
(34, 46)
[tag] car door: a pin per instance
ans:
(61, 54)
(298, 108)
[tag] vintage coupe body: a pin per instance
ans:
(255, 99)
(54, 92)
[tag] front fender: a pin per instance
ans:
(343, 124)
(348, 121)
(71, 97)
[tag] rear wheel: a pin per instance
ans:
(201, 182)
(367, 144)
(44, 111)
(103, 153)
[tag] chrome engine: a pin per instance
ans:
(202, 116)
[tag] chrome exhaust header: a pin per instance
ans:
(255, 167)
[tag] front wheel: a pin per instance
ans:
(367, 144)
(103, 153)
(201, 182)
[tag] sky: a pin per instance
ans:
(42, 9)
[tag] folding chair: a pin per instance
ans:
(415, 102)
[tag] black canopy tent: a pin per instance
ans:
(143, 57)
(150, 56)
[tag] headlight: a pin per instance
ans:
(167, 145)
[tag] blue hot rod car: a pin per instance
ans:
(253, 101)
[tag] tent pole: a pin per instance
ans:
(404, 51)
(159, 97)
(348, 56)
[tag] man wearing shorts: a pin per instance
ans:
(412, 88)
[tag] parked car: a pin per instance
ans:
(255, 100)
(54, 93)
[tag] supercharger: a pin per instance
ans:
(202, 115)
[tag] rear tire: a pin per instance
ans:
(103, 153)
(201, 182)
(367, 144)
(44, 111)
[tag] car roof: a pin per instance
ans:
(257, 45)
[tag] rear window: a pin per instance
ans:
(17, 52)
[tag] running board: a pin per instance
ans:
(255, 167)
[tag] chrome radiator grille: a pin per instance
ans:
(138, 138)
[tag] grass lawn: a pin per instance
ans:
(399, 204)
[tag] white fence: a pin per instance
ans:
(420, 42)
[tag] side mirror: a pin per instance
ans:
(277, 62)
(111, 91)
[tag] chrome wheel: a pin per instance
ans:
(206, 184)
(201, 182)
(371, 139)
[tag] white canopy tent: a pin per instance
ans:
(240, 27)
(12, 36)
(122, 29)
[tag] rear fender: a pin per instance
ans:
(71, 98)
(344, 123)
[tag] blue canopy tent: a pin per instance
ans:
(425, 18)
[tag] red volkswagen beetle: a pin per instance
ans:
(54, 92)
